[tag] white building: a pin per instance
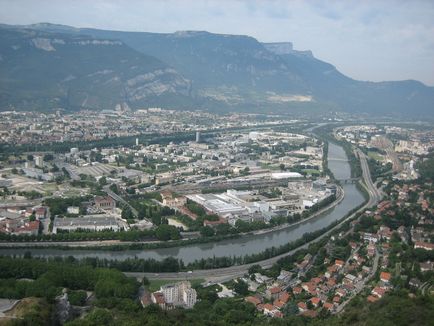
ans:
(39, 161)
(179, 294)
(89, 222)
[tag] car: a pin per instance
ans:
(190, 272)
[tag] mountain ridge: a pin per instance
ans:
(237, 72)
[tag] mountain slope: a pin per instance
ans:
(240, 71)
(234, 72)
(47, 70)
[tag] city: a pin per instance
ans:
(266, 177)
(214, 163)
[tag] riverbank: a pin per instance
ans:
(117, 245)
(236, 246)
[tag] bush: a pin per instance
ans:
(77, 298)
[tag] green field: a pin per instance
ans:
(375, 156)
(312, 171)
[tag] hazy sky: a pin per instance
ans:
(368, 40)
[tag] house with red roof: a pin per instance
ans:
(424, 245)
(371, 298)
(284, 296)
(269, 309)
(297, 290)
(328, 306)
(378, 292)
(256, 301)
(302, 306)
(385, 277)
(273, 293)
(315, 301)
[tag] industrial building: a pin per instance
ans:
(88, 223)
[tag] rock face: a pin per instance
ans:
(63, 309)
(50, 66)
(47, 70)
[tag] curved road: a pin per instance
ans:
(228, 273)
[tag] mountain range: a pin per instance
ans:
(46, 66)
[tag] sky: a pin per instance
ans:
(373, 40)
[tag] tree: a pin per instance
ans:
(145, 281)
(207, 231)
(102, 181)
(114, 188)
(241, 287)
(167, 232)
(255, 269)
(30, 157)
(127, 214)
(48, 157)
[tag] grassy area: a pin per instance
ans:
(154, 285)
(31, 309)
(312, 171)
(375, 156)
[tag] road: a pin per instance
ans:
(228, 273)
(120, 199)
(361, 285)
(375, 194)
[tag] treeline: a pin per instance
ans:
(174, 265)
(325, 133)
(21, 278)
(426, 168)
(132, 235)
(127, 141)
(59, 206)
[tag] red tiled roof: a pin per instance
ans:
(385, 276)
(315, 300)
(328, 305)
(284, 297)
(275, 290)
(278, 304)
(339, 262)
(302, 305)
(253, 300)
(269, 307)
(371, 298)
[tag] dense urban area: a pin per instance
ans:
(153, 180)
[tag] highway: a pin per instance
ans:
(374, 194)
(228, 273)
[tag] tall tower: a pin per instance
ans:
(197, 136)
(137, 141)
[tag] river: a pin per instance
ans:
(338, 164)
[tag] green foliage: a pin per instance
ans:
(207, 231)
(166, 232)
(48, 157)
(395, 310)
(51, 277)
(58, 205)
(77, 298)
(426, 169)
(241, 287)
